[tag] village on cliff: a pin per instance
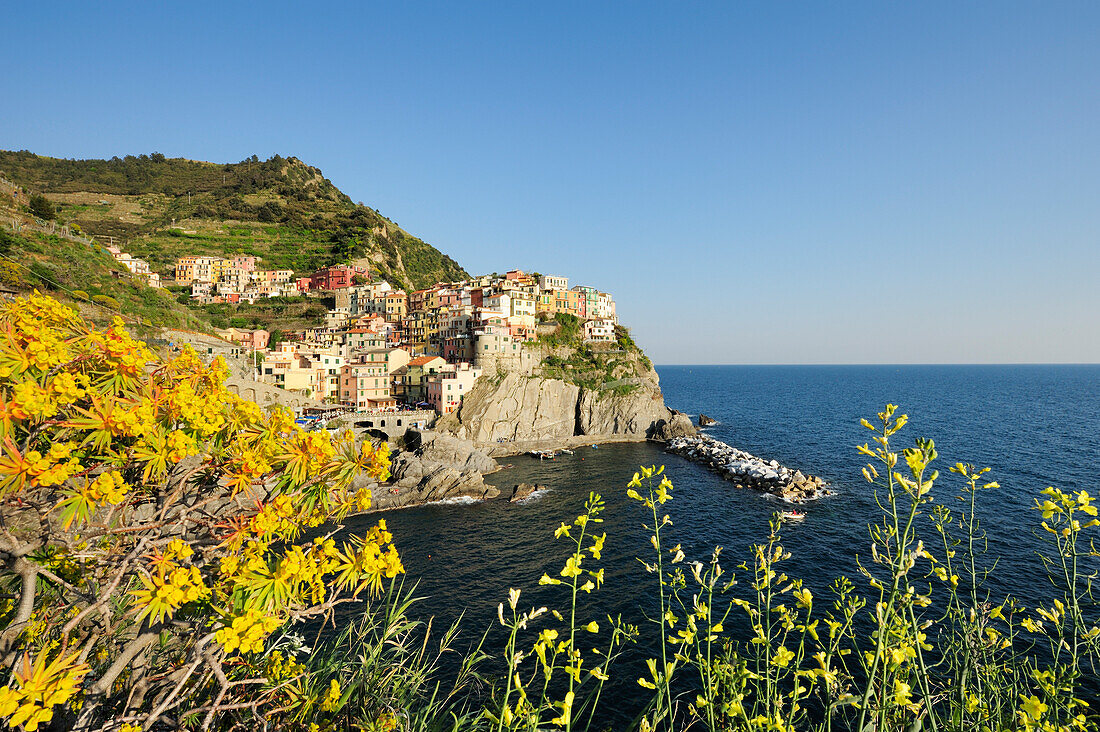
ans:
(383, 349)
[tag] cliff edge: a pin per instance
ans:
(563, 392)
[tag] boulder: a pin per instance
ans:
(440, 467)
(676, 424)
(704, 420)
(444, 449)
(524, 490)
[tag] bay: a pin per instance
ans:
(1034, 426)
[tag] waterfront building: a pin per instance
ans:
(446, 388)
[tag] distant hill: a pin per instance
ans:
(281, 209)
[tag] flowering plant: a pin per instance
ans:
(151, 531)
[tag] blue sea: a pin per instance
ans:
(1034, 426)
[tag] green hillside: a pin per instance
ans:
(279, 209)
(89, 278)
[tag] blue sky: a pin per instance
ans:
(852, 182)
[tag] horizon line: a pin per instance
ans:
(930, 363)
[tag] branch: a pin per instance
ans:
(136, 646)
(28, 571)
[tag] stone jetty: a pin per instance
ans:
(748, 471)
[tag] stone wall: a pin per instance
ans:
(525, 362)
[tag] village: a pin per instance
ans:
(383, 349)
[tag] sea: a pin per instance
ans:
(1033, 425)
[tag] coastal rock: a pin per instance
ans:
(748, 471)
(437, 467)
(604, 412)
(704, 420)
(514, 407)
(524, 490)
(435, 447)
(677, 425)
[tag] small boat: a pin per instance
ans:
(595, 447)
(566, 452)
(792, 515)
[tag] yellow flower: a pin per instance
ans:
(1032, 708)
(782, 657)
(902, 692)
(572, 567)
(332, 699)
(39, 688)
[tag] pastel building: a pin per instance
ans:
(447, 388)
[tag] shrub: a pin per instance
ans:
(45, 275)
(152, 522)
(270, 212)
(11, 274)
(42, 207)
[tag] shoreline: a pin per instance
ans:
(384, 498)
(521, 447)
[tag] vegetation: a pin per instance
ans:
(41, 207)
(89, 278)
(595, 365)
(280, 209)
(290, 313)
(156, 559)
(151, 539)
(926, 647)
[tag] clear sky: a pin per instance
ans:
(756, 182)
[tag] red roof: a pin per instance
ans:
(422, 360)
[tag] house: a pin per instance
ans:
(551, 282)
(253, 340)
(416, 371)
(336, 277)
(365, 383)
(599, 330)
(446, 388)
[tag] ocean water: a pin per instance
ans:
(1033, 425)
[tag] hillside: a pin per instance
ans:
(90, 279)
(281, 210)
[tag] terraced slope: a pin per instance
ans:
(281, 210)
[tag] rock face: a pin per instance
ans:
(634, 413)
(515, 407)
(704, 420)
(524, 490)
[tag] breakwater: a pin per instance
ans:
(748, 471)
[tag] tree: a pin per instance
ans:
(150, 527)
(270, 211)
(42, 207)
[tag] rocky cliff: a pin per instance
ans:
(432, 467)
(599, 394)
